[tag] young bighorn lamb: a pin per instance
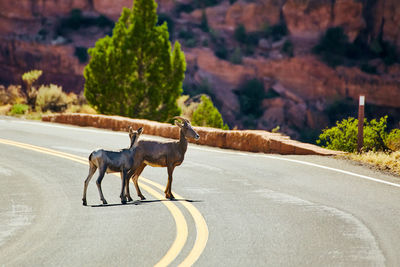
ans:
(162, 154)
(113, 161)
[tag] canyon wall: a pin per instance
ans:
(29, 39)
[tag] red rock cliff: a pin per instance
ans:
(29, 39)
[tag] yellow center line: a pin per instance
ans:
(201, 228)
(181, 225)
(181, 231)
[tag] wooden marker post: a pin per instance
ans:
(360, 139)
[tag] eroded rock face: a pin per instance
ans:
(57, 62)
(303, 83)
(385, 19)
(254, 16)
(312, 18)
(32, 9)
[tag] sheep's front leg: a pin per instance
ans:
(168, 190)
(124, 182)
(102, 171)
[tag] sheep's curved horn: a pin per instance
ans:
(180, 118)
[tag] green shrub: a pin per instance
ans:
(248, 50)
(82, 54)
(11, 95)
(335, 49)
(208, 115)
(186, 34)
(276, 32)
(393, 140)
(103, 22)
(334, 41)
(368, 68)
(19, 109)
(76, 20)
(343, 136)
(206, 3)
(194, 4)
(189, 38)
(271, 93)
(51, 98)
(287, 48)
(243, 37)
(252, 38)
(250, 95)
(376, 47)
(182, 7)
(240, 34)
(204, 22)
(332, 46)
(389, 54)
(384, 50)
(221, 52)
(190, 43)
(236, 56)
(30, 78)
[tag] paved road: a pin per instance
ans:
(258, 210)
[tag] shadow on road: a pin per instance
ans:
(141, 202)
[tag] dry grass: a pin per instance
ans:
(81, 109)
(4, 110)
(187, 107)
(381, 160)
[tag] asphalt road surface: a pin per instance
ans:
(232, 208)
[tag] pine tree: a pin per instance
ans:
(135, 72)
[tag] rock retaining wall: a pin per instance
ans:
(244, 140)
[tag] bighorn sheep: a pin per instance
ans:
(113, 161)
(162, 154)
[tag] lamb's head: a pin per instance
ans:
(134, 136)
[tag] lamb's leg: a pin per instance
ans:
(92, 170)
(102, 171)
(128, 194)
(124, 182)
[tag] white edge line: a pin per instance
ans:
(220, 151)
(336, 170)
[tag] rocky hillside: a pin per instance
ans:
(232, 48)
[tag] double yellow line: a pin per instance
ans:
(181, 225)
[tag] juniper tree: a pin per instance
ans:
(135, 72)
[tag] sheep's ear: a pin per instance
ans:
(178, 124)
(140, 130)
(131, 130)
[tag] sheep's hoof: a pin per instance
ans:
(170, 197)
(142, 197)
(105, 202)
(84, 202)
(123, 201)
(130, 199)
